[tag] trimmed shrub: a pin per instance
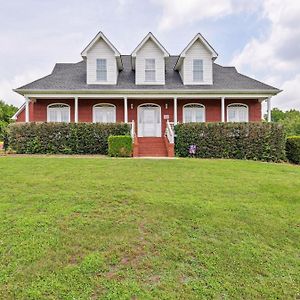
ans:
(63, 138)
(256, 141)
(292, 149)
(120, 146)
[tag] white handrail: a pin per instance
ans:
(132, 131)
(169, 133)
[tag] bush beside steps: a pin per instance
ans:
(120, 145)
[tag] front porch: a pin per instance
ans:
(152, 118)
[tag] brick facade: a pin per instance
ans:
(38, 109)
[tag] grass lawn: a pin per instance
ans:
(87, 228)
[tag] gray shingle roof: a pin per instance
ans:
(73, 77)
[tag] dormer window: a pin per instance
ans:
(198, 70)
(150, 70)
(101, 69)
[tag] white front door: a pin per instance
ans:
(149, 120)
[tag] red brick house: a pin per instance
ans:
(150, 89)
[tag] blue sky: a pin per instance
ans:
(260, 37)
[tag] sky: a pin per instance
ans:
(261, 38)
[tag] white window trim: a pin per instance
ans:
(149, 81)
(198, 104)
(101, 80)
(53, 104)
(107, 104)
(239, 104)
(200, 80)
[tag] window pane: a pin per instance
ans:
(52, 115)
(150, 69)
(243, 114)
(105, 114)
(198, 70)
(101, 69)
(65, 114)
(199, 114)
(188, 115)
(194, 113)
(232, 114)
(101, 75)
(237, 113)
(150, 64)
(150, 75)
(59, 113)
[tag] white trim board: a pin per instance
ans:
(150, 96)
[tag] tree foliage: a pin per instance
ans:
(6, 112)
(289, 119)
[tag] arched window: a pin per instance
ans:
(58, 112)
(104, 113)
(237, 112)
(193, 112)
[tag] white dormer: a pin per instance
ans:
(148, 61)
(103, 61)
(195, 63)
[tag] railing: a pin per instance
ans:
(170, 132)
(132, 131)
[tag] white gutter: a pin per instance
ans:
(147, 91)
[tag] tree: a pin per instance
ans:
(289, 119)
(6, 112)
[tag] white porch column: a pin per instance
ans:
(26, 109)
(175, 110)
(269, 108)
(125, 110)
(223, 109)
(76, 110)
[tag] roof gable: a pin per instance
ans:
(198, 37)
(155, 40)
(99, 36)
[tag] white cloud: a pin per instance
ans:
(290, 97)
(6, 86)
(178, 12)
(275, 56)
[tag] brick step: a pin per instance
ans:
(161, 153)
(152, 146)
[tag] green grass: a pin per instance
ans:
(91, 228)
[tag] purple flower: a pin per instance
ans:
(192, 149)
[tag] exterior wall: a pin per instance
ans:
(197, 51)
(101, 50)
(150, 50)
(38, 109)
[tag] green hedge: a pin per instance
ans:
(256, 141)
(66, 138)
(120, 146)
(293, 149)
